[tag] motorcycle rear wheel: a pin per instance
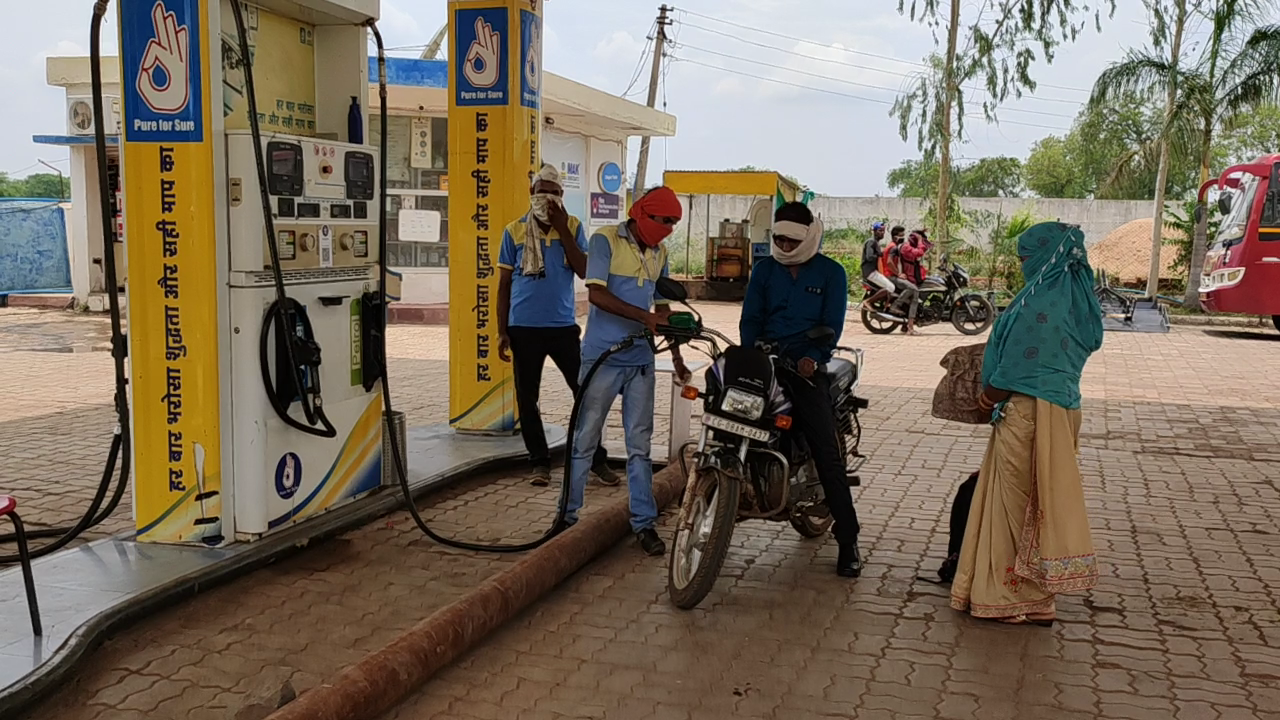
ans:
(877, 326)
(701, 544)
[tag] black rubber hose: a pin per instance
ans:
(121, 445)
(402, 475)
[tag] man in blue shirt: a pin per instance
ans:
(540, 255)
(624, 263)
(789, 294)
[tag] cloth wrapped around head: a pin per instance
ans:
(540, 202)
(809, 238)
(1039, 345)
(655, 215)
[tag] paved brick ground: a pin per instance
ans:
(1181, 461)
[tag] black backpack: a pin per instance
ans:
(959, 520)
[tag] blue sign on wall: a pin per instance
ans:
(160, 72)
(530, 60)
(610, 178)
(481, 46)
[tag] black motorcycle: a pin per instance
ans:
(747, 465)
(944, 298)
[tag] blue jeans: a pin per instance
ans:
(636, 384)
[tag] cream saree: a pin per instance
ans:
(1027, 538)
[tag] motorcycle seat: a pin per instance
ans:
(842, 372)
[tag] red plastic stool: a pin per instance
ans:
(9, 508)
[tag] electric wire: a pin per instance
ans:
(846, 95)
(851, 51)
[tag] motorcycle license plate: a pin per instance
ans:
(737, 428)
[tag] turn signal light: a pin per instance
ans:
(782, 422)
(689, 392)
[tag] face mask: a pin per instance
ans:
(540, 205)
(651, 232)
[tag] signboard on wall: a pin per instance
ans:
(605, 206)
(568, 153)
(610, 177)
(284, 72)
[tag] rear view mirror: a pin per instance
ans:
(671, 290)
(1224, 203)
(821, 334)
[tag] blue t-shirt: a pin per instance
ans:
(615, 261)
(781, 308)
(545, 301)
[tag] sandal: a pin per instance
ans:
(1037, 620)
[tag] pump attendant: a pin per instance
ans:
(789, 294)
(624, 263)
(540, 255)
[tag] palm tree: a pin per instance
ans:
(1236, 71)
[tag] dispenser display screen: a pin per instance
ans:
(359, 175)
(285, 162)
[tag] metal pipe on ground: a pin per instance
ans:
(384, 678)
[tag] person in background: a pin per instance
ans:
(790, 293)
(871, 274)
(908, 301)
(539, 257)
(1027, 537)
(624, 263)
(912, 257)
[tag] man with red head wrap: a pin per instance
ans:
(624, 263)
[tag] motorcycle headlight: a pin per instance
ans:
(743, 404)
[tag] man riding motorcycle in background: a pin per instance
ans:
(790, 293)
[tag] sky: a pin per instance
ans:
(799, 87)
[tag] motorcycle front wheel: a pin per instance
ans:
(708, 513)
(973, 315)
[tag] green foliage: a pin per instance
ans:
(1247, 136)
(999, 176)
(1182, 222)
(1111, 153)
(36, 185)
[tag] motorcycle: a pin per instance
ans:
(942, 299)
(747, 465)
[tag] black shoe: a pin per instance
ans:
(541, 476)
(651, 543)
(849, 563)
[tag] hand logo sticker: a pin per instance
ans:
(170, 92)
(532, 71)
(480, 67)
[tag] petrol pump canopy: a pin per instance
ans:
(730, 182)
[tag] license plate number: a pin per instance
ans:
(737, 428)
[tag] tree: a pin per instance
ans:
(1000, 43)
(1247, 136)
(1236, 70)
(1182, 221)
(1112, 152)
(999, 176)
(36, 185)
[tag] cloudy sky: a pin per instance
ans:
(801, 86)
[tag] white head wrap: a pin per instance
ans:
(810, 237)
(540, 209)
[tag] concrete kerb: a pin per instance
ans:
(385, 677)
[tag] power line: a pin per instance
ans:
(848, 95)
(870, 68)
(849, 82)
(824, 45)
(644, 53)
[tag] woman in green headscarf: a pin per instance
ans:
(1028, 538)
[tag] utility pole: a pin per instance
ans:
(659, 50)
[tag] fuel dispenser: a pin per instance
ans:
(255, 311)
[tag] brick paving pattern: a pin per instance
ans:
(1180, 460)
